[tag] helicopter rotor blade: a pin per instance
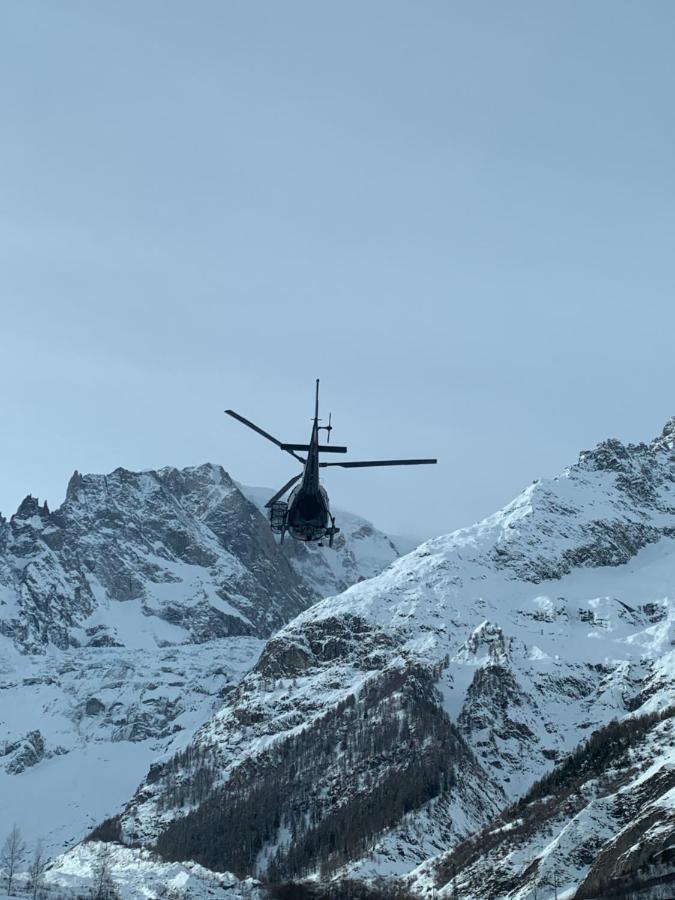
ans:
(265, 434)
(359, 464)
(283, 490)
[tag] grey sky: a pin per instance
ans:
(460, 216)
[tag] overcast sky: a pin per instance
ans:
(461, 216)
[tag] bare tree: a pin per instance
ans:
(37, 869)
(11, 855)
(103, 887)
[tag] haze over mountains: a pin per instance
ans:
(152, 625)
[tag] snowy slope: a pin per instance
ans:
(136, 875)
(503, 644)
(80, 727)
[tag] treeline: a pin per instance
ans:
(329, 790)
(346, 889)
(653, 880)
(187, 778)
(595, 755)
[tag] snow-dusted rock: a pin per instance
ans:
(139, 875)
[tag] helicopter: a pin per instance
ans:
(306, 514)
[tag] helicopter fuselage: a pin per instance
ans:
(308, 513)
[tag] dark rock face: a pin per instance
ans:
(491, 699)
(23, 754)
(149, 537)
(94, 707)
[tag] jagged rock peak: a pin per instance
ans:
(74, 486)
(666, 440)
(30, 506)
(206, 471)
(614, 455)
(609, 454)
(200, 476)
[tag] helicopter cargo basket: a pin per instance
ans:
(278, 513)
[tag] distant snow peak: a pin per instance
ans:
(184, 545)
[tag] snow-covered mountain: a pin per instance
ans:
(126, 615)
(386, 725)
(184, 551)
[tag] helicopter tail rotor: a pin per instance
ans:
(328, 428)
